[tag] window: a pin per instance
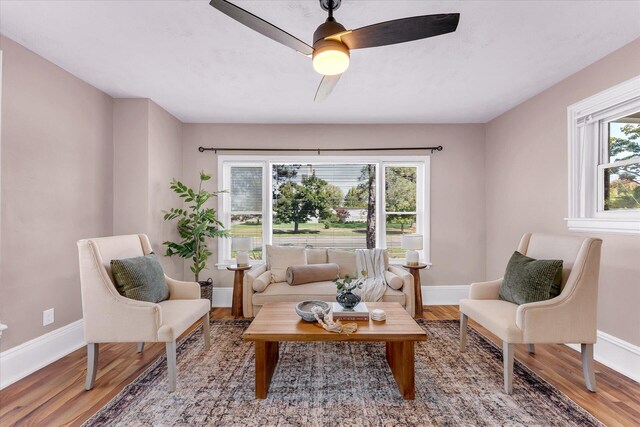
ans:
(245, 215)
(619, 168)
(333, 202)
(604, 161)
(401, 194)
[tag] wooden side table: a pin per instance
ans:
(238, 280)
(415, 271)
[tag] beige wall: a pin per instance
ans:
(130, 165)
(457, 179)
(165, 163)
(57, 175)
(526, 186)
(147, 156)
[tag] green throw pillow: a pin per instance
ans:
(140, 278)
(530, 280)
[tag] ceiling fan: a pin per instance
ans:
(332, 43)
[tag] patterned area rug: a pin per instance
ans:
(339, 384)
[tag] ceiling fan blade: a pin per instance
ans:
(401, 30)
(261, 26)
(326, 87)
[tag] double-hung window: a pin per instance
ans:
(604, 161)
(324, 202)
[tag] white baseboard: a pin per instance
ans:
(24, 359)
(619, 355)
(444, 295)
(222, 297)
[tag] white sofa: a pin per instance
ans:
(324, 291)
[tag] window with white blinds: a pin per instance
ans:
(324, 202)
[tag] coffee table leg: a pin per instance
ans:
(400, 356)
(267, 353)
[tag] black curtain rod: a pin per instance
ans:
(318, 150)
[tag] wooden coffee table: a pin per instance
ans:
(279, 322)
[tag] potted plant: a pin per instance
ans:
(195, 224)
(346, 298)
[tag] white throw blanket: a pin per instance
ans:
(372, 262)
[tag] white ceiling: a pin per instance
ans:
(204, 67)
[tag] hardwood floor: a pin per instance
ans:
(55, 395)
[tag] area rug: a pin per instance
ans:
(339, 384)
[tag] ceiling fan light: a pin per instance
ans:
(331, 58)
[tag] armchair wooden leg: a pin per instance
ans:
(507, 358)
(587, 366)
(463, 332)
(92, 365)
(206, 332)
(140, 347)
(531, 349)
(171, 365)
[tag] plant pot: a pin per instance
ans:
(206, 290)
(348, 300)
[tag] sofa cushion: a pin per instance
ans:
(530, 280)
(281, 257)
(393, 280)
(346, 260)
(261, 282)
(323, 291)
(301, 274)
(498, 316)
(316, 256)
(140, 278)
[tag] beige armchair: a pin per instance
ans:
(568, 318)
(110, 317)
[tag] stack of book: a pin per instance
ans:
(359, 312)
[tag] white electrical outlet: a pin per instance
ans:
(47, 317)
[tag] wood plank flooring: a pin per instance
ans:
(55, 395)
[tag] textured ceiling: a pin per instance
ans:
(204, 67)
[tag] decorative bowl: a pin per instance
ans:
(304, 309)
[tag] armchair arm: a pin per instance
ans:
(113, 323)
(562, 319)
(247, 289)
(485, 290)
(407, 288)
(182, 290)
(571, 317)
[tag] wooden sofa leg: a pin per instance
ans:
(171, 365)
(531, 349)
(463, 332)
(587, 366)
(92, 365)
(140, 347)
(206, 332)
(507, 358)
